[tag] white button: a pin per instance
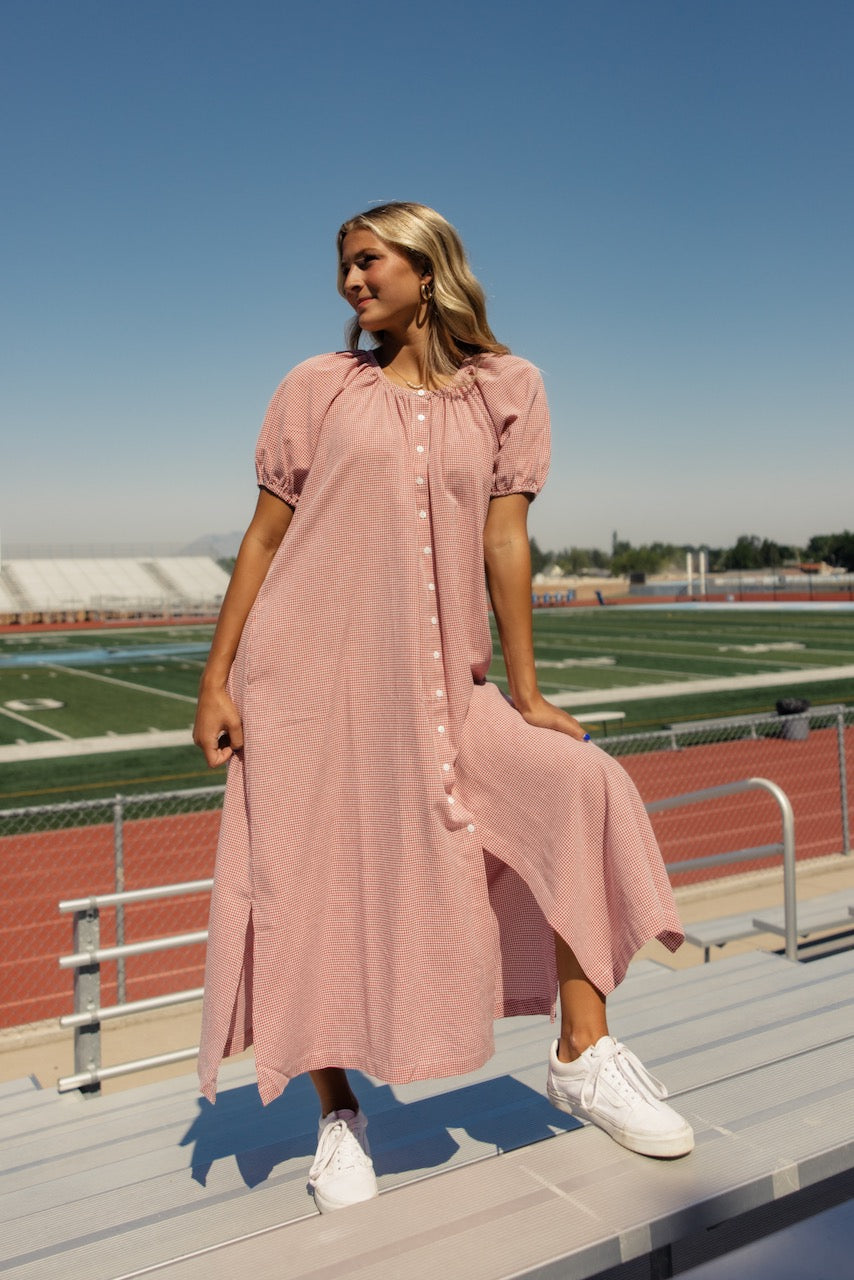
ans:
(436, 653)
(441, 729)
(451, 800)
(423, 515)
(428, 551)
(434, 621)
(419, 448)
(422, 393)
(470, 827)
(419, 480)
(447, 768)
(439, 693)
(431, 586)
(421, 417)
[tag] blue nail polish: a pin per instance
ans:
(586, 738)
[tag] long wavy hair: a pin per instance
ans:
(457, 325)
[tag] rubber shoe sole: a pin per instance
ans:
(667, 1146)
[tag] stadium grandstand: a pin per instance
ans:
(102, 589)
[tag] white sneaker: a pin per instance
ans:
(611, 1088)
(343, 1172)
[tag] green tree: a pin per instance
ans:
(834, 548)
(770, 554)
(744, 555)
(636, 560)
(539, 559)
(573, 559)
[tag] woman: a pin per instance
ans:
(405, 854)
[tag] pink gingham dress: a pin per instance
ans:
(397, 844)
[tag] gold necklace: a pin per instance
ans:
(416, 386)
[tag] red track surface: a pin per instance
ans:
(37, 870)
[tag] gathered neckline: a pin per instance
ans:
(462, 383)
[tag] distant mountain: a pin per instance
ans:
(218, 545)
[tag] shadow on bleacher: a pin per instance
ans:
(500, 1114)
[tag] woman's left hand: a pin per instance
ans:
(545, 716)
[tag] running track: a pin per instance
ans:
(37, 870)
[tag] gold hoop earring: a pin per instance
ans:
(426, 292)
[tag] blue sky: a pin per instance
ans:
(656, 195)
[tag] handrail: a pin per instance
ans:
(99, 900)
(96, 955)
(790, 897)
(86, 960)
(107, 1012)
(93, 1078)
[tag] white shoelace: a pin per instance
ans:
(334, 1149)
(627, 1073)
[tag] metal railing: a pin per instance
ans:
(786, 846)
(86, 961)
(88, 955)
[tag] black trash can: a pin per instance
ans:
(796, 725)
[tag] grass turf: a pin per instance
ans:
(643, 648)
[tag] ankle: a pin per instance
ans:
(333, 1090)
(340, 1104)
(572, 1044)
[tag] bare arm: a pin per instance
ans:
(216, 714)
(507, 555)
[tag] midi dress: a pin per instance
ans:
(397, 844)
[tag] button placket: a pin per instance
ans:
(433, 683)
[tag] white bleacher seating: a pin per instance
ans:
(8, 603)
(196, 578)
(113, 584)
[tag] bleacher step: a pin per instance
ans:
(129, 1181)
(568, 1210)
(831, 911)
(11, 1091)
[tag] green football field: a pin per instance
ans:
(63, 686)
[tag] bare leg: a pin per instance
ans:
(582, 1006)
(333, 1090)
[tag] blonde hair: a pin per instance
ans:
(457, 324)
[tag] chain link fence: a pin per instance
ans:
(806, 751)
(53, 852)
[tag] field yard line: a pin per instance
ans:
(96, 746)
(620, 666)
(745, 658)
(721, 684)
(34, 724)
(124, 684)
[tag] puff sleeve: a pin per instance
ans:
(522, 414)
(292, 424)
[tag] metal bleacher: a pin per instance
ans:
(61, 584)
(480, 1178)
(832, 911)
(110, 584)
(193, 577)
(8, 602)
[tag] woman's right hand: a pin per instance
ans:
(218, 730)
